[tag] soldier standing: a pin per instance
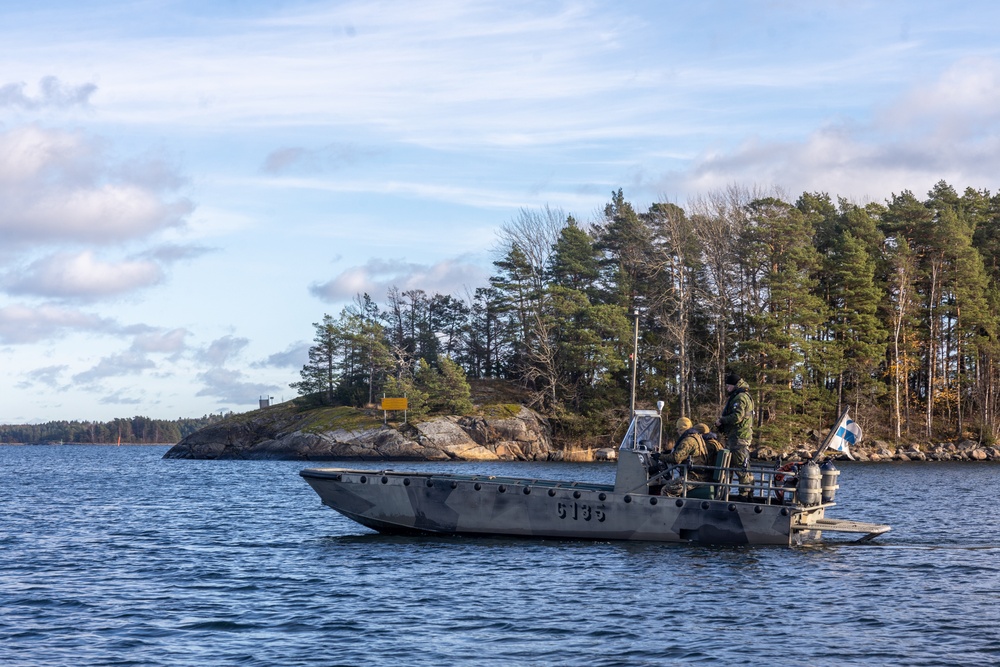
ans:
(736, 423)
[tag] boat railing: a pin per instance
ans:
(769, 485)
(496, 479)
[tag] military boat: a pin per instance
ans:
(649, 500)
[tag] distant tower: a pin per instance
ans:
(265, 401)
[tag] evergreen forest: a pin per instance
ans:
(889, 308)
(134, 431)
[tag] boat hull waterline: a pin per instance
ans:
(448, 504)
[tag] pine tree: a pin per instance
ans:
(574, 346)
(858, 332)
(371, 362)
(785, 331)
(624, 240)
(901, 306)
(489, 347)
(986, 239)
(449, 321)
(406, 386)
(972, 321)
(515, 292)
(453, 396)
(912, 220)
(320, 374)
(575, 262)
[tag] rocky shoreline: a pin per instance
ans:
(966, 450)
(517, 434)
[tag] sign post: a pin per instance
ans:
(394, 404)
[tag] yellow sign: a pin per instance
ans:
(394, 404)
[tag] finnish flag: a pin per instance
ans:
(847, 432)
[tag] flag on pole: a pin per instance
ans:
(846, 432)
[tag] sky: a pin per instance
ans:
(186, 186)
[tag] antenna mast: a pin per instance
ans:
(635, 355)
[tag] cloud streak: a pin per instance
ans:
(376, 277)
(52, 93)
(126, 364)
(222, 350)
(47, 376)
(487, 70)
(294, 356)
(297, 159)
(229, 386)
(20, 324)
(123, 397)
(162, 342)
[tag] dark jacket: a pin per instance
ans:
(737, 416)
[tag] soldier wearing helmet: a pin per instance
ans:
(690, 448)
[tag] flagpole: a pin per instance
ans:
(829, 436)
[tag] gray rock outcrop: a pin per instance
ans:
(275, 434)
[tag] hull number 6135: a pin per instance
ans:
(579, 512)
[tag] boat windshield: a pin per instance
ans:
(643, 433)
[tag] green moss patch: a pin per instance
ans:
(337, 418)
(500, 410)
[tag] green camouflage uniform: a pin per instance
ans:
(690, 444)
(736, 423)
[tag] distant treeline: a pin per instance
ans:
(892, 309)
(137, 430)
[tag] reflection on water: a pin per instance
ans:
(114, 556)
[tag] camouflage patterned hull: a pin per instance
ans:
(410, 502)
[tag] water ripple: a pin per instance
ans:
(112, 556)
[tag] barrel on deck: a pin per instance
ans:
(809, 492)
(829, 481)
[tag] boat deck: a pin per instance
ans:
(870, 530)
(458, 477)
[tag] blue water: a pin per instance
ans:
(113, 556)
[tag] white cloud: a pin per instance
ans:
(221, 350)
(82, 275)
(128, 363)
(947, 129)
(123, 397)
(47, 376)
(20, 324)
(164, 342)
(963, 102)
(228, 385)
(294, 356)
(375, 277)
(57, 186)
